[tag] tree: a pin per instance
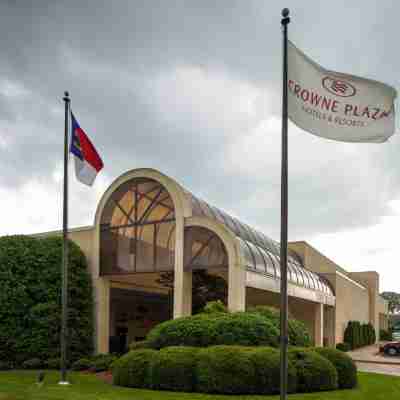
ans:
(393, 299)
(206, 287)
(30, 300)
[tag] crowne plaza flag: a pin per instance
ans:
(338, 106)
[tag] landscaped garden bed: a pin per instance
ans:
(231, 353)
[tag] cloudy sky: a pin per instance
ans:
(193, 88)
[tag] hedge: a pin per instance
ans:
(229, 370)
(202, 330)
(314, 372)
(226, 369)
(343, 347)
(30, 300)
(266, 362)
(385, 335)
(175, 369)
(358, 335)
(134, 369)
(97, 363)
(345, 366)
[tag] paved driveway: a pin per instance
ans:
(368, 359)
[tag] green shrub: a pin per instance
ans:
(174, 369)
(343, 347)
(225, 369)
(53, 363)
(359, 335)
(134, 369)
(271, 313)
(138, 345)
(371, 333)
(33, 363)
(203, 330)
(30, 299)
(101, 362)
(266, 361)
(348, 336)
(298, 332)
(213, 307)
(82, 364)
(345, 366)
(314, 372)
(5, 365)
(385, 335)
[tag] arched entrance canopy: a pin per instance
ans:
(143, 202)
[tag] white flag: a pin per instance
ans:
(338, 106)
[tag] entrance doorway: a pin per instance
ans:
(133, 313)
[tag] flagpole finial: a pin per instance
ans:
(66, 97)
(285, 15)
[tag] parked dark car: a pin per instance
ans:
(391, 348)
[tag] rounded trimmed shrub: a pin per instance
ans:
(140, 344)
(33, 363)
(345, 347)
(345, 366)
(82, 364)
(297, 330)
(5, 365)
(134, 369)
(266, 361)
(53, 363)
(225, 369)
(30, 299)
(174, 369)
(102, 362)
(213, 307)
(385, 335)
(202, 330)
(314, 372)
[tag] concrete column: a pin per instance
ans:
(329, 325)
(102, 288)
(183, 279)
(236, 288)
(319, 325)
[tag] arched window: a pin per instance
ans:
(137, 229)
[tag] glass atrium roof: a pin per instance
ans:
(262, 254)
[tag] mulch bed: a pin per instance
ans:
(105, 376)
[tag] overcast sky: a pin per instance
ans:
(192, 88)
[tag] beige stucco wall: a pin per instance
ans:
(352, 305)
(84, 239)
(357, 294)
(378, 306)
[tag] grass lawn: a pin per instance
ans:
(21, 386)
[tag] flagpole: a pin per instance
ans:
(64, 274)
(284, 214)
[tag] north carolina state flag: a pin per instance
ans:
(87, 161)
(338, 106)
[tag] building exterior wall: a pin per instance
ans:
(357, 288)
(352, 305)
(378, 305)
(357, 293)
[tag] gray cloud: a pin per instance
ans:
(162, 84)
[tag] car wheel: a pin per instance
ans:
(392, 351)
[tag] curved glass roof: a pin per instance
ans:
(261, 253)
